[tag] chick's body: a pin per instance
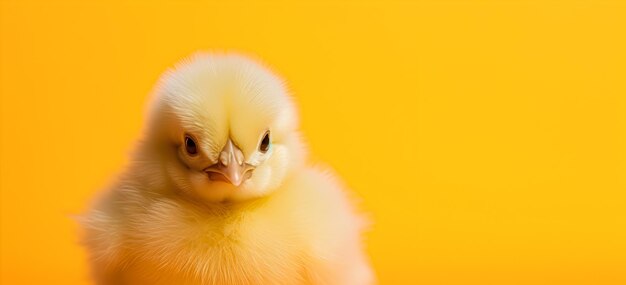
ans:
(182, 213)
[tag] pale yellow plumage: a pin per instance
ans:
(165, 222)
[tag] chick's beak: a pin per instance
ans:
(230, 167)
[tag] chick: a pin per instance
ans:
(218, 191)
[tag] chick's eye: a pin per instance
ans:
(190, 146)
(265, 142)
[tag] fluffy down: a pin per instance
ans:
(164, 221)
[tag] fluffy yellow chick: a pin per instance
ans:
(218, 191)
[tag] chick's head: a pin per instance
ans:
(224, 128)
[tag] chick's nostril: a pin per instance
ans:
(223, 159)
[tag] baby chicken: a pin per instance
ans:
(218, 191)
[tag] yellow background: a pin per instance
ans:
(486, 138)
